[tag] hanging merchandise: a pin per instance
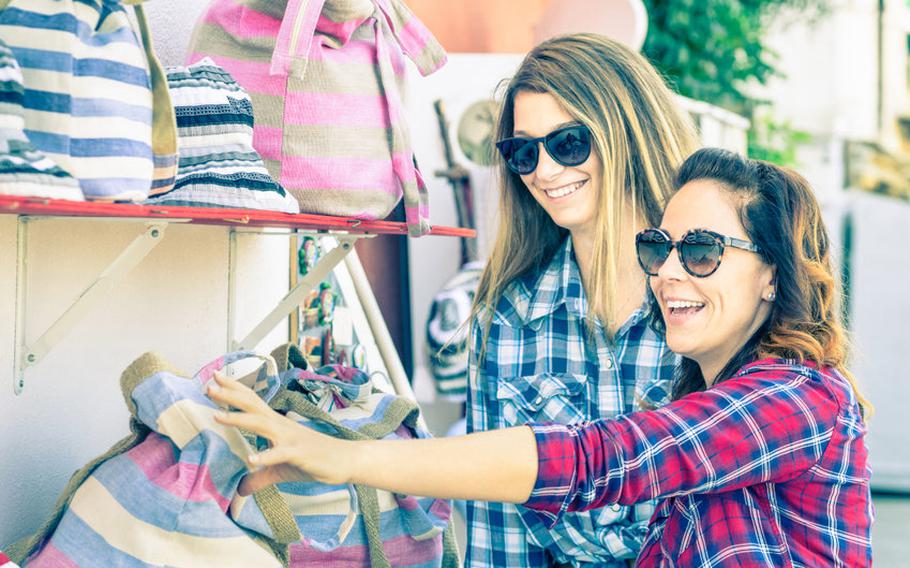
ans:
(96, 97)
(218, 166)
(167, 494)
(326, 303)
(308, 254)
(363, 527)
(447, 332)
(324, 76)
(24, 170)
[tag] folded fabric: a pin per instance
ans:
(218, 166)
(24, 170)
(372, 528)
(97, 102)
(5, 562)
(167, 495)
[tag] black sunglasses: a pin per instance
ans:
(568, 146)
(700, 251)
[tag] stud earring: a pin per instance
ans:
(772, 296)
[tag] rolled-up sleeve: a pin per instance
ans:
(765, 426)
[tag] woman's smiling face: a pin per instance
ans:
(567, 194)
(709, 319)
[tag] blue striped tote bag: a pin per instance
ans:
(96, 99)
(167, 494)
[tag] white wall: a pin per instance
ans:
(175, 303)
(881, 328)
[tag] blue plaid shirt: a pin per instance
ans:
(543, 365)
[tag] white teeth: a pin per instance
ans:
(565, 190)
(676, 304)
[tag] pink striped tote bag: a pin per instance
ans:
(325, 78)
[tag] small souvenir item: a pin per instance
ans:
(308, 254)
(326, 303)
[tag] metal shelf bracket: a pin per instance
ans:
(26, 355)
(326, 263)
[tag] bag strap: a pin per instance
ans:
(413, 37)
(164, 117)
(450, 555)
(295, 36)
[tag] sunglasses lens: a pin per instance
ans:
(653, 249)
(569, 146)
(700, 253)
(519, 154)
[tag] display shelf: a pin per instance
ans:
(35, 206)
(155, 220)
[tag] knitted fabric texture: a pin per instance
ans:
(324, 77)
(166, 496)
(218, 166)
(23, 169)
(89, 95)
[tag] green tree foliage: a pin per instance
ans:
(713, 50)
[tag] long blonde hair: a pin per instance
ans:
(639, 134)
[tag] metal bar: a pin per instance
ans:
(294, 297)
(19, 347)
(232, 288)
(378, 326)
(96, 292)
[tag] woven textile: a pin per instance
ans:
(166, 496)
(5, 562)
(23, 169)
(95, 98)
(218, 166)
(324, 76)
(341, 528)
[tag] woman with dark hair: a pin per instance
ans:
(760, 459)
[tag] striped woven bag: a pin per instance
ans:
(324, 76)
(96, 99)
(166, 494)
(369, 527)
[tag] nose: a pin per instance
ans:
(672, 268)
(547, 167)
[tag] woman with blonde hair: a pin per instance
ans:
(760, 459)
(589, 137)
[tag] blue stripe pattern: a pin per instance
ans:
(85, 63)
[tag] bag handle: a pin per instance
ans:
(265, 380)
(164, 118)
(295, 36)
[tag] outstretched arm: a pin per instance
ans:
(500, 465)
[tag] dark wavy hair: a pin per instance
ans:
(780, 214)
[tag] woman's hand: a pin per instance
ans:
(296, 452)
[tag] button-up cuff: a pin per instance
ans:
(556, 463)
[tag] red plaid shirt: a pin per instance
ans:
(767, 468)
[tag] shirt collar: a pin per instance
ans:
(540, 294)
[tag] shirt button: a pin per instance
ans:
(538, 400)
(616, 508)
(609, 364)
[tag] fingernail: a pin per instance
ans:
(213, 388)
(253, 459)
(221, 415)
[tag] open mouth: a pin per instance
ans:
(564, 190)
(684, 307)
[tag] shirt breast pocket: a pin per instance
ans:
(542, 398)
